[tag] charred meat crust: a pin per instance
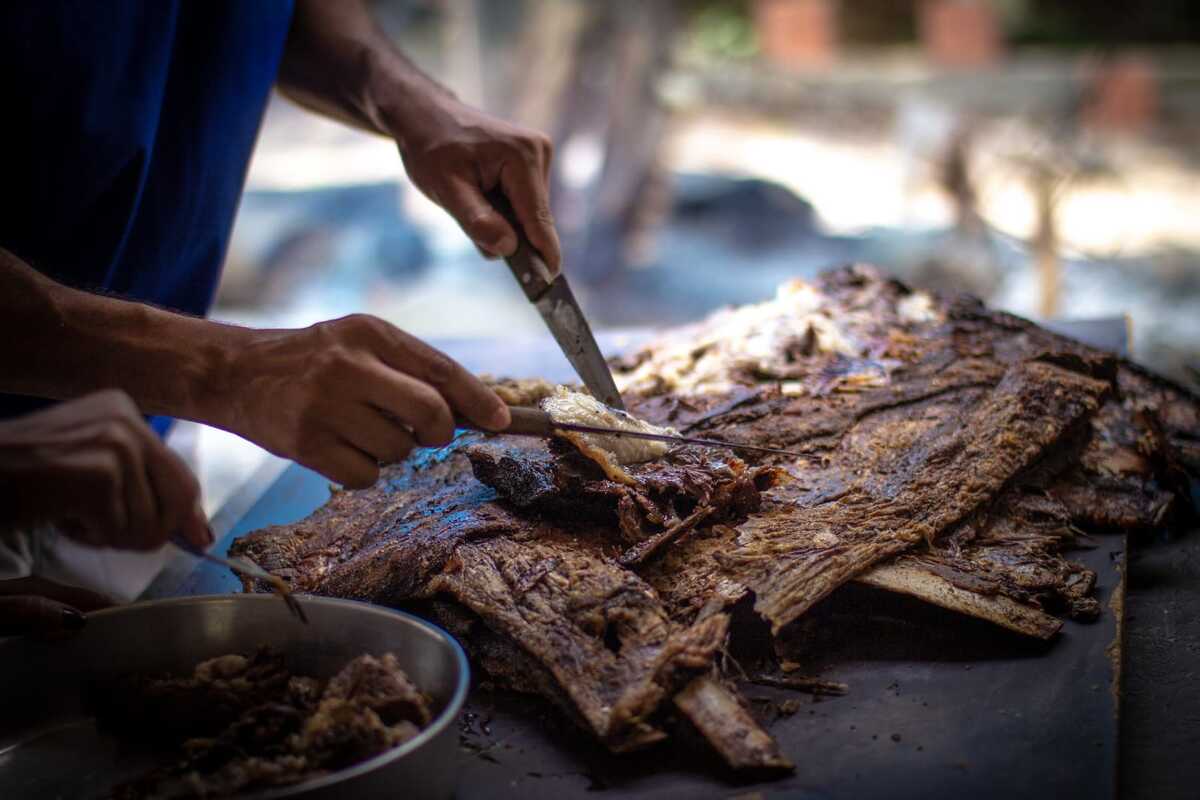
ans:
(950, 452)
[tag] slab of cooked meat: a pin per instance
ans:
(430, 529)
(947, 452)
(651, 506)
(796, 550)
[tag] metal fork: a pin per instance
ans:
(250, 570)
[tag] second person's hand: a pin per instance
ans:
(94, 468)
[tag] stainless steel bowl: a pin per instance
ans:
(50, 748)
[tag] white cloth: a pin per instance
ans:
(118, 574)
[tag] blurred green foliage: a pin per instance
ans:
(721, 29)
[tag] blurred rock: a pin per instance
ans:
(748, 212)
(1122, 96)
(289, 241)
(961, 33)
(797, 33)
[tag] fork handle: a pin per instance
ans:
(526, 421)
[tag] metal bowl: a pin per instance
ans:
(50, 748)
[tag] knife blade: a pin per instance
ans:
(554, 300)
(530, 421)
(570, 329)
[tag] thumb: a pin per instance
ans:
(26, 614)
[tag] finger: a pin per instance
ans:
(547, 158)
(378, 435)
(177, 495)
(484, 254)
(485, 226)
(411, 401)
(140, 531)
(97, 511)
(22, 615)
(465, 393)
(344, 464)
(74, 596)
(119, 504)
(527, 191)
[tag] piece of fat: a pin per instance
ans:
(610, 452)
(918, 307)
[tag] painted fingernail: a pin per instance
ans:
(72, 620)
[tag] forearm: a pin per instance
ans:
(60, 343)
(340, 63)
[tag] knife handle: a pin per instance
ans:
(531, 272)
(526, 421)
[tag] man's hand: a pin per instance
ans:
(456, 154)
(38, 606)
(340, 63)
(95, 469)
(340, 397)
(344, 396)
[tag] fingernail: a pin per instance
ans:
(499, 418)
(507, 245)
(72, 620)
(199, 533)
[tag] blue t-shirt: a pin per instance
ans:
(125, 130)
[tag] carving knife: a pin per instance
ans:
(552, 297)
(529, 421)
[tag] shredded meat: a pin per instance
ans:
(947, 452)
(247, 724)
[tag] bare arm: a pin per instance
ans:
(61, 343)
(339, 397)
(340, 63)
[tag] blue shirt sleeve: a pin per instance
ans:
(128, 131)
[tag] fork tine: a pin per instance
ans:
(278, 585)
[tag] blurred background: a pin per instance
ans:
(1041, 154)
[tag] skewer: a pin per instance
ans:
(529, 421)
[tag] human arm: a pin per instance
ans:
(340, 63)
(339, 397)
(38, 606)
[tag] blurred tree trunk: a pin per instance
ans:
(545, 60)
(608, 130)
(1045, 242)
(462, 50)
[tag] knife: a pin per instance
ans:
(552, 297)
(529, 421)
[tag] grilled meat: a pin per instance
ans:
(948, 452)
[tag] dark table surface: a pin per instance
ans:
(1160, 705)
(1051, 708)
